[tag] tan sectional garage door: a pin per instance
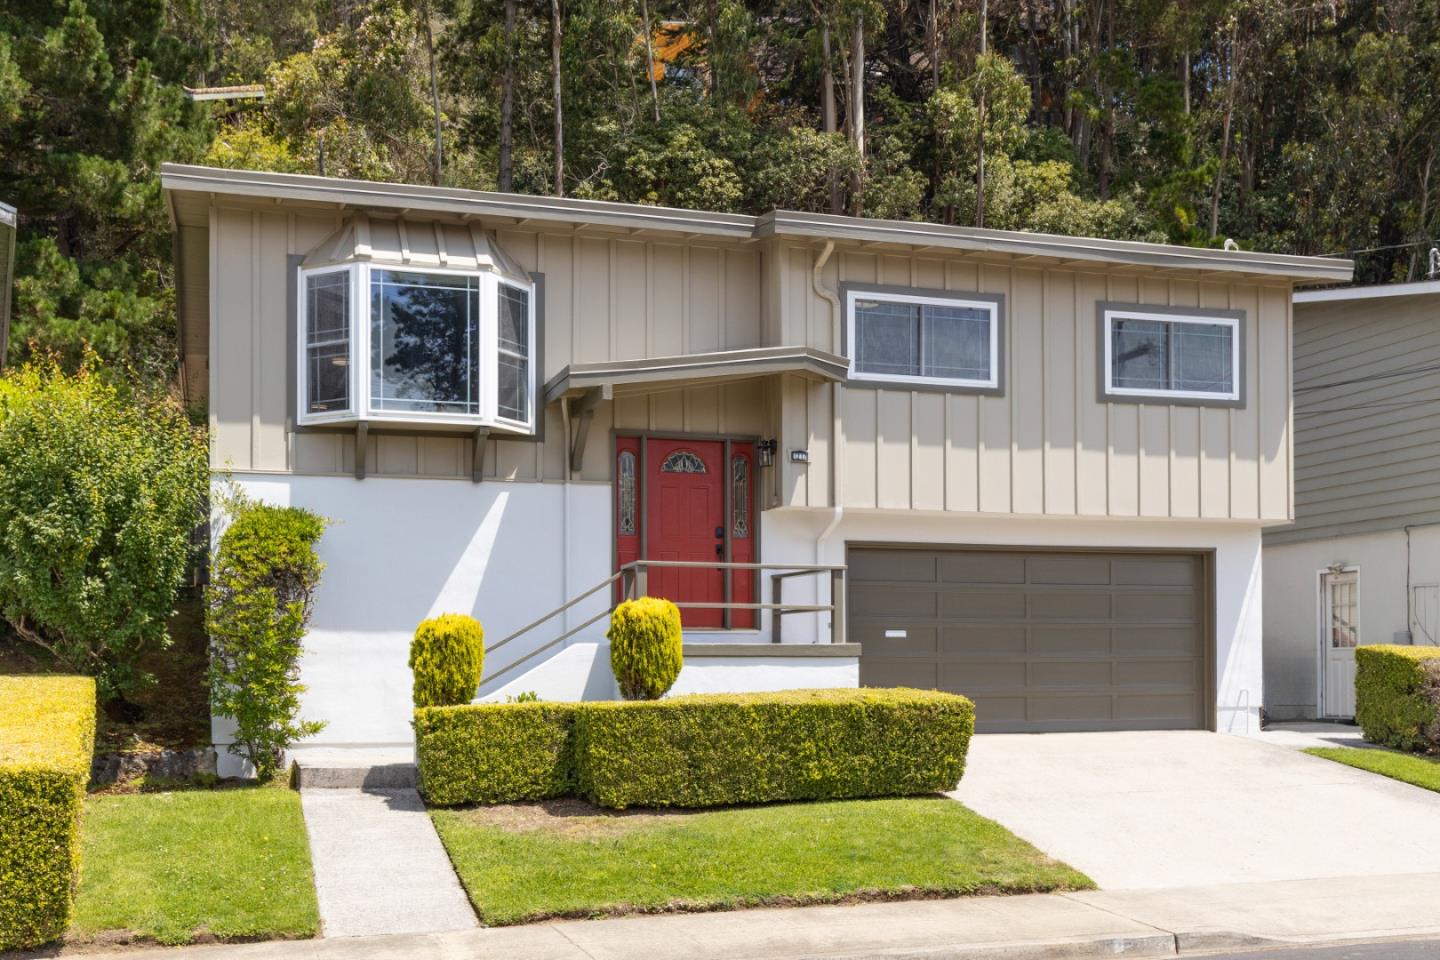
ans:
(1039, 640)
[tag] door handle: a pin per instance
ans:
(719, 532)
(719, 549)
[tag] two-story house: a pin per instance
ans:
(1361, 564)
(1033, 469)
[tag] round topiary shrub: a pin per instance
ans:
(645, 647)
(447, 659)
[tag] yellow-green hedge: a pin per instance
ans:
(646, 648)
(1390, 702)
(698, 751)
(495, 752)
(447, 660)
(47, 737)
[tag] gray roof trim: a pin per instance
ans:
(365, 193)
(787, 223)
(777, 223)
(7, 214)
(720, 365)
(1417, 289)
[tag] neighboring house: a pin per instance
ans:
(1361, 564)
(1045, 461)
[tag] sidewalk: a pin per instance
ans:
(1137, 924)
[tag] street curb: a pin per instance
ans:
(1149, 946)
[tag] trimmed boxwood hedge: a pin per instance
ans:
(698, 751)
(1391, 702)
(47, 737)
(495, 752)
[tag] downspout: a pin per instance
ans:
(565, 511)
(837, 510)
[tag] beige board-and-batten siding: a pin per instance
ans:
(1048, 446)
(1367, 416)
(605, 298)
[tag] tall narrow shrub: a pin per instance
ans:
(447, 659)
(262, 585)
(646, 651)
(101, 487)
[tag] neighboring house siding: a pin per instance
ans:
(606, 298)
(1047, 446)
(1368, 452)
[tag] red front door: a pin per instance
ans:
(683, 485)
(685, 506)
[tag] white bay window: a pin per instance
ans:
(401, 343)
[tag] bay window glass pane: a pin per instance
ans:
(424, 342)
(1203, 357)
(327, 342)
(956, 342)
(887, 338)
(1140, 354)
(513, 376)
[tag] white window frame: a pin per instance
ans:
(1110, 314)
(360, 360)
(302, 402)
(993, 307)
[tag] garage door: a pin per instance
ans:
(1039, 640)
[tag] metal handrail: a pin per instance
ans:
(635, 575)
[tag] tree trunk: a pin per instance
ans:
(1224, 137)
(507, 103)
(649, 57)
(559, 111)
(712, 15)
(827, 109)
(857, 110)
(932, 42)
(980, 117)
(434, 94)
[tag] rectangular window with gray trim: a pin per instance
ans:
(1188, 355)
(923, 338)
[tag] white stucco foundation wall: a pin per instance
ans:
(791, 536)
(1388, 572)
(765, 674)
(400, 550)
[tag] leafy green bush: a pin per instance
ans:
(495, 752)
(646, 650)
(719, 749)
(1391, 705)
(447, 660)
(47, 733)
(262, 584)
(697, 751)
(100, 489)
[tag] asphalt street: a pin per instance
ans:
(1393, 950)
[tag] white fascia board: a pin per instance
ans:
(1419, 289)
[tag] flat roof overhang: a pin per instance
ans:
(201, 185)
(621, 377)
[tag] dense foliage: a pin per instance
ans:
(1304, 126)
(495, 752)
(697, 751)
(101, 489)
(263, 577)
(47, 730)
(447, 660)
(1397, 696)
(646, 648)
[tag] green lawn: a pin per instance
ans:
(1421, 771)
(173, 866)
(529, 862)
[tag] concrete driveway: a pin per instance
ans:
(1186, 809)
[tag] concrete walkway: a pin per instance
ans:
(1192, 809)
(379, 866)
(1138, 925)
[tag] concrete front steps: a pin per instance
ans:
(362, 767)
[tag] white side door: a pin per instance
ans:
(1339, 635)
